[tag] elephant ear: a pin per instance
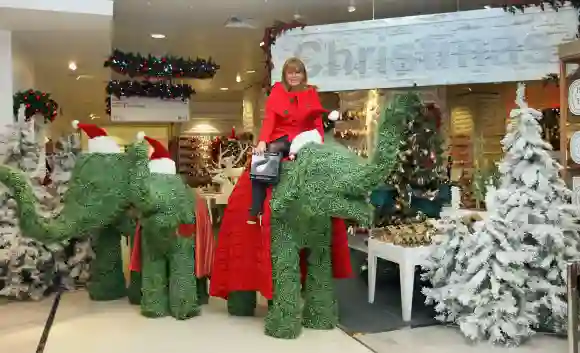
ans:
(138, 167)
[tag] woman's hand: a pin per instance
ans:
(260, 148)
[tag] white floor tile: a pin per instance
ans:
(439, 339)
(90, 327)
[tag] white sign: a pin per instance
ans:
(148, 110)
(478, 46)
(574, 97)
(576, 191)
(575, 147)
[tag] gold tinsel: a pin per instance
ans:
(407, 235)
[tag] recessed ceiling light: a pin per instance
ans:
(250, 71)
(224, 89)
(157, 36)
(351, 6)
(238, 78)
(72, 66)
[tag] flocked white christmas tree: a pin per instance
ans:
(509, 275)
(72, 258)
(28, 267)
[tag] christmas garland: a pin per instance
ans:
(35, 102)
(148, 89)
(551, 79)
(554, 4)
(269, 39)
(137, 65)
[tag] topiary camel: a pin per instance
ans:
(326, 181)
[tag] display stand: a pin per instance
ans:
(569, 53)
(407, 258)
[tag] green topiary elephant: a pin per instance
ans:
(105, 185)
(165, 242)
(100, 192)
(326, 181)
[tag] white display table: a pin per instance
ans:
(448, 212)
(407, 258)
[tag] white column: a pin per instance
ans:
(6, 78)
(259, 113)
(248, 110)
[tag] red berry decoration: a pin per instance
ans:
(35, 102)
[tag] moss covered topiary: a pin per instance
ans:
(101, 189)
(325, 181)
(169, 286)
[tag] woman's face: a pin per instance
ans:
(294, 77)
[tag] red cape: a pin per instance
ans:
(242, 259)
(204, 241)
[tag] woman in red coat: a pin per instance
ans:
(242, 259)
(293, 107)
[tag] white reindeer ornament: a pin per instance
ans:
(226, 175)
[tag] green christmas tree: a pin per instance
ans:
(419, 168)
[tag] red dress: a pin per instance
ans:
(242, 260)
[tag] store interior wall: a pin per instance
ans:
(6, 78)
(23, 73)
(215, 113)
(479, 115)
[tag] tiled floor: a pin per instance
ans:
(439, 339)
(90, 327)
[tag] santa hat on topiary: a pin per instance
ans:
(99, 141)
(160, 161)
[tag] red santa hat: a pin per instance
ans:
(99, 141)
(160, 160)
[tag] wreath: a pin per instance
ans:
(35, 102)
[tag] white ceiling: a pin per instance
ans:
(198, 30)
(193, 28)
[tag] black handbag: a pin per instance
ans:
(266, 167)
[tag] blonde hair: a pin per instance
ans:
(295, 65)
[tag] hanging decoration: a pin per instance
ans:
(35, 102)
(148, 89)
(348, 134)
(269, 39)
(137, 65)
(550, 124)
(108, 105)
(551, 79)
(195, 159)
(516, 5)
(233, 135)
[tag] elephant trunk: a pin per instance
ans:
(31, 223)
(389, 132)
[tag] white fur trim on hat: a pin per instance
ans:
(75, 124)
(162, 166)
(103, 144)
(334, 115)
(304, 138)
